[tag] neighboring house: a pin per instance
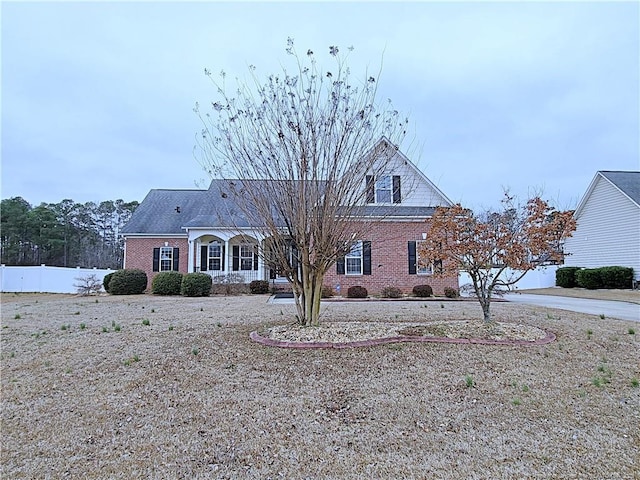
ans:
(202, 231)
(608, 223)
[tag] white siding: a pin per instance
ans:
(608, 231)
(416, 190)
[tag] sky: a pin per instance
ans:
(97, 98)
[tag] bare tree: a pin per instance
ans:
(497, 248)
(296, 150)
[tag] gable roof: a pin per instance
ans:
(626, 182)
(173, 211)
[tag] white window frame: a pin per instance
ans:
(383, 189)
(244, 257)
(213, 258)
(166, 259)
(353, 261)
(421, 269)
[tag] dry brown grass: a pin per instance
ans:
(632, 296)
(140, 403)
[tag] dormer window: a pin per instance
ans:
(383, 189)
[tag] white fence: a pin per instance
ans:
(45, 279)
(62, 280)
(542, 277)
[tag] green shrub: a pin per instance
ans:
(391, 292)
(357, 291)
(166, 283)
(566, 277)
(196, 285)
(106, 280)
(327, 292)
(423, 291)
(128, 282)
(259, 286)
(451, 292)
(589, 278)
(616, 277)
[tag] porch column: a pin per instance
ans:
(191, 259)
(228, 261)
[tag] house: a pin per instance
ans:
(202, 231)
(608, 223)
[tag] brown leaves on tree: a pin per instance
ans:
(489, 247)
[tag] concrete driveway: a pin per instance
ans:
(608, 308)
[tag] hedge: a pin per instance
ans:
(357, 291)
(616, 277)
(259, 286)
(196, 285)
(605, 277)
(128, 282)
(106, 280)
(166, 283)
(566, 277)
(423, 291)
(589, 278)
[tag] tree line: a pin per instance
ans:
(64, 234)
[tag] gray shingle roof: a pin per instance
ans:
(157, 213)
(169, 212)
(628, 182)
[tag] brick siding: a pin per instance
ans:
(139, 253)
(389, 262)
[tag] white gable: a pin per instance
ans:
(416, 189)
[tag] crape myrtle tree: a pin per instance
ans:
(497, 248)
(296, 148)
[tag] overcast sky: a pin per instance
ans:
(97, 98)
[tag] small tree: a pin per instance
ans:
(518, 238)
(296, 152)
(88, 285)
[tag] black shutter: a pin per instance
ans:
(176, 259)
(255, 257)
(156, 259)
(204, 258)
(223, 256)
(366, 258)
(397, 193)
(340, 266)
(412, 258)
(371, 194)
(235, 266)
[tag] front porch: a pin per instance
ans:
(237, 259)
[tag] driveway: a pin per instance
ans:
(608, 308)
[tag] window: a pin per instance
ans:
(357, 261)
(383, 189)
(418, 261)
(215, 256)
(166, 259)
(246, 257)
(353, 260)
(424, 265)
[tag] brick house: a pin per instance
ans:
(201, 231)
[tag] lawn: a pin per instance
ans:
(158, 387)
